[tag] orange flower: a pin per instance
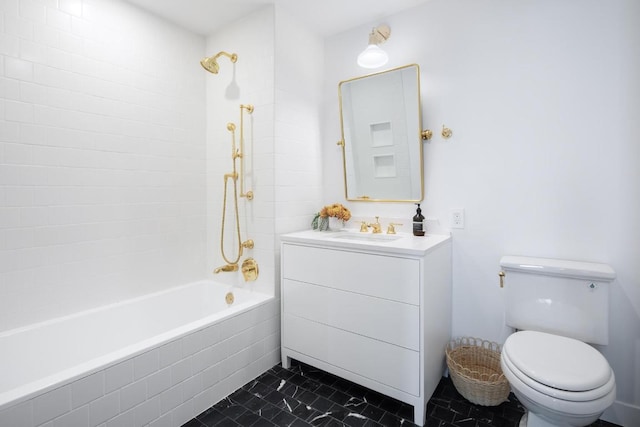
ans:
(337, 211)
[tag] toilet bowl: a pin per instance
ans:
(561, 381)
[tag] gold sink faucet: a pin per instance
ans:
(392, 229)
(376, 227)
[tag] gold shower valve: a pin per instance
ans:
(446, 132)
(250, 270)
(248, 244)
(426, 134)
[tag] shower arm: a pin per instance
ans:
(232, 56)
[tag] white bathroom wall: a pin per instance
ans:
(297, 174)
(543, 98)
(102, 156)
(249, 81)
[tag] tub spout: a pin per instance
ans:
(226, 267)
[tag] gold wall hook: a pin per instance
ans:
(426, 134)
(446, 132)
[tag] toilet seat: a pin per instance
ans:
(557, 366)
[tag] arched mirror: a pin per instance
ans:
(381, 136)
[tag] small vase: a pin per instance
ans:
(335, 224)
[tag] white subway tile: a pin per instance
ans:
(77, 418)
(163, 421)
(104, 408)
(32, 10)
(20, 415)
(9, 217)
(18, 111)
(169, 353)
(32, 93)
(52, 404)
(147, 412)
(211, 376)
(132, 395)
(73, 7)
(126, 419)
(17, 197)
(19, 69)
(18, 238)
(9, 45)
(9, 88)
(170, 398)
(118, 376)
(58, 19)
(87, 389)
(18, 154)
(183, 413)
(180, 371)
(33, 217)
(158, 382)
(146, 364)
(192, 387)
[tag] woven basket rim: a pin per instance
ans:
(476, 385)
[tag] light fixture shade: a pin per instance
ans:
(372, 57)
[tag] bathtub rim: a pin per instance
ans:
(33, 389)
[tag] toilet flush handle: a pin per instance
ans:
(501, 274)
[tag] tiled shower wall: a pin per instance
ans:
(102, 156)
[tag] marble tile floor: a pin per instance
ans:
(306, 396)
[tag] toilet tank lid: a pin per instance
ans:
(558, 267)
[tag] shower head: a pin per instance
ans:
(211, 64)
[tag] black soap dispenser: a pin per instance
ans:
(418, 222)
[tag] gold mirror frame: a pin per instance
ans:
(394, 149)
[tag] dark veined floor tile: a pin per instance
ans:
(211, 417)
(193, 423)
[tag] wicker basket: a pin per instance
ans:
(474, 365)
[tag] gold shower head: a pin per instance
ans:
(211, 64)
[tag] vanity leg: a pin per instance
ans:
(286, 361)
(419, 414)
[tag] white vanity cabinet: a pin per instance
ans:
(376, 312)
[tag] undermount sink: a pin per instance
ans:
(366, 237)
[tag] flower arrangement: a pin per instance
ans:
(336, 210)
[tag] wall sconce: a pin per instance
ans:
(373, 56)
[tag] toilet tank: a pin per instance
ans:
(569, 298)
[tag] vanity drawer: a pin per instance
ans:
(384, 320)
(385, 363)
(387, 277)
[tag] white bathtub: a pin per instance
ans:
(160, 359)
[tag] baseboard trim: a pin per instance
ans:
(623, 414)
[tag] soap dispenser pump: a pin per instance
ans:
(418, 222)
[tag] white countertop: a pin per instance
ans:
(400, 243)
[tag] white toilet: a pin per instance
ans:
(557, 306)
